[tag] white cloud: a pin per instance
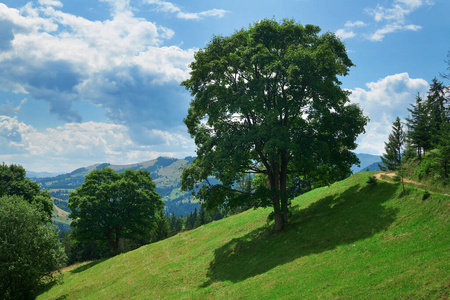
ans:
(386, 20)
(11, 108)
(119, 64)
(169, 7)
(355, 24)
(55, 3)
(393, 19)
(382, 102)
(344, 34)
(73, 145)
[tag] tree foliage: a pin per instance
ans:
(29, 248)
(267, 100)
(392, 159)
(14, 182)
(111, 206)
(418, 134)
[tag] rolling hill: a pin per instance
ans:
(352, 240)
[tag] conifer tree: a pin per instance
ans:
(392, 159)
(436, 101)
(418, 127)
(202, 217)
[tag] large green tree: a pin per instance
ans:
(14, 182)
(392, 159)
(29, 248)
(267, 100)
(111, 206)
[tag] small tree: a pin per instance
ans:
(111, 206)
(392, 159)
(29, 249)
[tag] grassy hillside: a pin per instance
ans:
(348, 241)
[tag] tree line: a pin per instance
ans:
(424, 137)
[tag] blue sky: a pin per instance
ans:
(93, 81)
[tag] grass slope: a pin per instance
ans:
(347, 241)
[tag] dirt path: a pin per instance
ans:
(392, 174)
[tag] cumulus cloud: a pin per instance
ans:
(120, 64)
(74, 145)
(169, 7)
(382, 102)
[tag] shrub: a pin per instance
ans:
(372, 180)
(29, 249)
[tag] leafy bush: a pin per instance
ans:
(29, 249)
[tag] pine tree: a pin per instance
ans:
(418, 127)
(202, 217)
(393, 157)
(436, 107)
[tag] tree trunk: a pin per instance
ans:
(279, 224)
(278, 183)
(113, 241)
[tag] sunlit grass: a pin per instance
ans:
(347, 241)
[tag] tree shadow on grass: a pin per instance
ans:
(86, 266)
(355, 214)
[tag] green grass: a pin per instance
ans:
(347, 241)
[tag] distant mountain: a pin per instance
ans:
(373, 167)
(31, 174)
(367, 160)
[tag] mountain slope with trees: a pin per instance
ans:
(351, 240)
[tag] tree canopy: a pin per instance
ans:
(29, 248)
(14, 182)
(110, 206)
(267, 100)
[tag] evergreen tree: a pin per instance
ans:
(190, 220)
(202, 217)
(161, 229)
(418, 127)
(436, 101)
(393, 156)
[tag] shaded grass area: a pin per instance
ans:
(324, 225)
(348, 241)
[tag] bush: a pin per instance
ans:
(29, 249)
(372, 180)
